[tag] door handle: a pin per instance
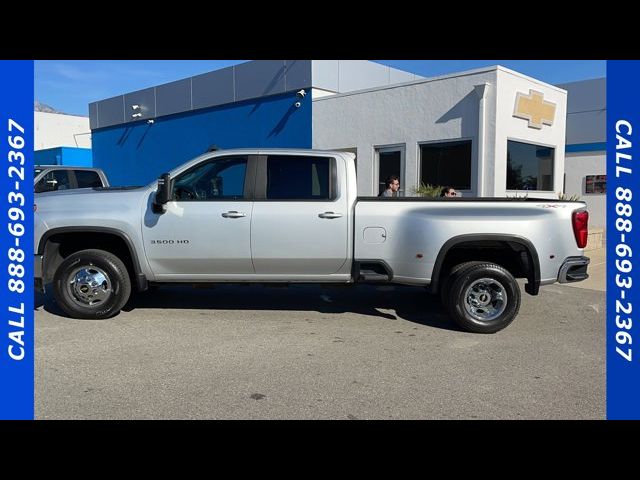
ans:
(329, 215)
(234, 214)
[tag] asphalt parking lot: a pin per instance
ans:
(312, 352)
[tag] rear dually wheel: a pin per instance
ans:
(483, 298)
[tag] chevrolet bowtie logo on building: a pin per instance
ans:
(532, 107)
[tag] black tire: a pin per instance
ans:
(104, 297)
(490, 283)
(445, 284)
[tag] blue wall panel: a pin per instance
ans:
(70, 156)
(137, 153)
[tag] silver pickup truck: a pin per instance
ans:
(50, 178)
(294, 216)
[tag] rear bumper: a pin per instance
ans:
(574, 269)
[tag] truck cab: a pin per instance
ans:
(51, 178)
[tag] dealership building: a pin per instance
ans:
(486, 132)
(61, 139)
(586, 150)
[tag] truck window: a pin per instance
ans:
(53, 180)
(218, 179)
(292, 177)
(87, 179)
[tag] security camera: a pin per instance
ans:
(297, 104)
(301, 93)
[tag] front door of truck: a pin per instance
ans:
(205, 230)
(300, 217)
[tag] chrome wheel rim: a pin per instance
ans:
(485, 299)
(89, 286)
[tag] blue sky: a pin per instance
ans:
(70, 85)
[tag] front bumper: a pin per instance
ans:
(37, 273)
(574, 269)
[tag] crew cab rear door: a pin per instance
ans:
(205, 231)
(300, 216)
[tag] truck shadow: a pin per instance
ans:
(413, 304)
(46, 302)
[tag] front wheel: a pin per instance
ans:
(91, 284)
(484, 298)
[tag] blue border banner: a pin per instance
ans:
(623, 249)
(16, 241)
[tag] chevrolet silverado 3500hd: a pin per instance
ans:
(293, 216)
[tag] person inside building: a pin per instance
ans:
(392, 185)
(448, 192)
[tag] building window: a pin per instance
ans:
(529, 166)
(595, 184)
(446, 164)
(298, 178)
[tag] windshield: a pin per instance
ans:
(36, 171)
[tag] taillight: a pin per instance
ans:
(579, 220)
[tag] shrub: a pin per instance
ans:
(572, 198)
(517, 195)
(431, 191)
